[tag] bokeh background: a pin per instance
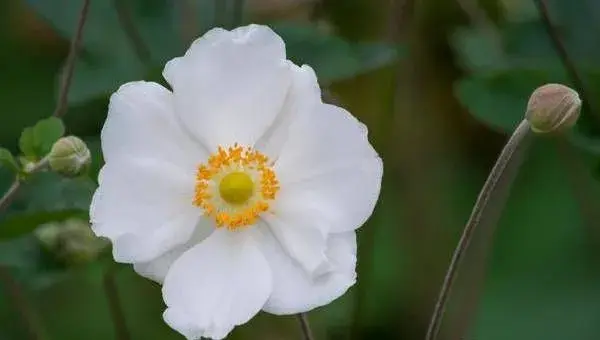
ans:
(440, 84)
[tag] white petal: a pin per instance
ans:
(158, 268)
(218, 284)
(328, 165)
(301, 233)
(303, 96)
(141, 122)
(296, 292)
(321, 140)
(144, 206)
(230, 86)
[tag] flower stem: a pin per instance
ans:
(305, 326)
(67, 74)
(10, 194)
(479, 215)
(12, 191)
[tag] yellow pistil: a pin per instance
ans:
(235, 186)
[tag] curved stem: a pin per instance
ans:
(305, 325)
(12, 191)
(67, 74)
(488, 191)
(10, 194)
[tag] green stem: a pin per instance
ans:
(67, 74)
(305, 326)
(11, 193)
(496, 182)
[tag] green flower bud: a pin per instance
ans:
(69, 157)
(553, 108)
(72, 242)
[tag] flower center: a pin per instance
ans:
(235, 186)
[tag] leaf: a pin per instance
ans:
(8, 160)
(27, 143)
(45, 133)
(36, 141)
(332, 57)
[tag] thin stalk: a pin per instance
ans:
(305, 326)
(15, 291)
(114, 305)
(67, 74)
(11, 193)
(480, 209)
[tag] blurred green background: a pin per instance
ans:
(440, 84)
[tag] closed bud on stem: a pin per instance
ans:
(553, 108)
(69, 157)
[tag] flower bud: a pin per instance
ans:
(553, 108)
(69, 157)
(72, 242)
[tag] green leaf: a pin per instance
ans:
(27, 143)
(45, 133)
(8, 160)
(36, 141)
(332, 57)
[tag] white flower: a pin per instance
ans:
(239, 190)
